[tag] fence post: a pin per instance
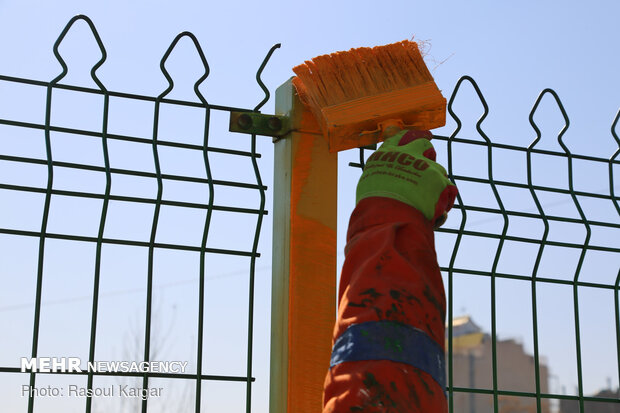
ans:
(304, 260)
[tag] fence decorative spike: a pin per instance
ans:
(562, 111)
(259, 72)
(530, 148)
(97, 38)
(539, 206)
(612, 161)
(457, 87)
(201, 55)
(613, 132)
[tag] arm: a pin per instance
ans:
(388, 353)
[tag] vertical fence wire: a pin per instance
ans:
(457, 243)
(259, 223)
(612, 159)
(205, 232)
(539, 255)
(106, 201)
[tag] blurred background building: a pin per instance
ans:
(472, 360)
(572, 406)
(473, 369)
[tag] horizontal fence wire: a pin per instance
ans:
(463, 236)
(211, 187)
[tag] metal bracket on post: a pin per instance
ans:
(303, 307)
(259, 124)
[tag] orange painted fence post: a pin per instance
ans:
(304, 260)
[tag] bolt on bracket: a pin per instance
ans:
(259, 124)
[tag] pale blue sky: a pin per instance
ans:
(512, 49)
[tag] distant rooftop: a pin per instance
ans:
(464, 325)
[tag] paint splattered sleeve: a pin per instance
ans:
(388, 345)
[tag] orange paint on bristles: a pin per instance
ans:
(350, 93)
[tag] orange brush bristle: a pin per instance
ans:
(351, 93)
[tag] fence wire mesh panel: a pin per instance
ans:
(113, 205)
(530, 257)
(128, 231)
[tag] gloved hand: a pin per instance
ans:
(404, 168)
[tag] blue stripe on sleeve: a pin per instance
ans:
(389, 340)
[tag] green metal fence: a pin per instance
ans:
(453, 239)
(205, 180)
(461, 236)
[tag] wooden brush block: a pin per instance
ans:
(355, 123)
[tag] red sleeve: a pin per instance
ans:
(390, 280)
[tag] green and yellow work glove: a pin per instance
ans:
(404, 168)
